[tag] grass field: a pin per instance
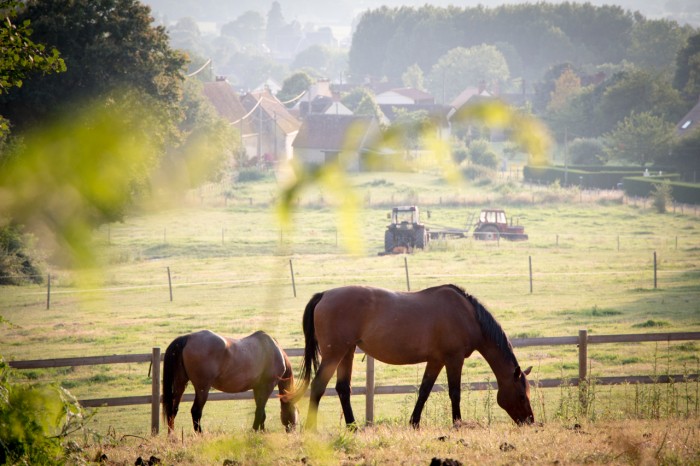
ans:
(592, 258)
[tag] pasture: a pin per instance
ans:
(230, 267)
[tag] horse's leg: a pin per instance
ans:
(318, 387)
(454, 384)
(432, 370)
(342, 385)
(261, 393)
(200, 398)
(179, 384)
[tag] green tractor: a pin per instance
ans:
(405, 230)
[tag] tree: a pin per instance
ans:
(460, 68)
(275, 25)
(249, 29)
(20, 55)
(656, 43)
(293, 86)
(687, 77)
(209, 143)
(110, 45)
(640, 138)
(639, 91)
(410, 127)
(316, 57)
(567, 86)
(686, 156)
(413, 77)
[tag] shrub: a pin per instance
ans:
(33, 421)
(480, 153)
(585, 151)
(249, 174)
(661, 195)
(460, 153)
(16, 262)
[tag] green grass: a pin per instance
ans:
(230, 269)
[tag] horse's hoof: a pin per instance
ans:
(352, 427)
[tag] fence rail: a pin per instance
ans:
(369, 390)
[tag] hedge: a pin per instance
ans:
(641, 186)
(600, 177)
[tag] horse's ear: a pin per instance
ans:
(527, 371)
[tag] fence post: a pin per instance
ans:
(583, 367)
(155, 391)
(170, 285)
(654, 269)
(291, 271)
(405, 265)
(369, 388)
(530, 262)
(48, 292)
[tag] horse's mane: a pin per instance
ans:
(490, 327)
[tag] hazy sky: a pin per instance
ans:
(340, 13)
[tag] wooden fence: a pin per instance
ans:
(370, 390)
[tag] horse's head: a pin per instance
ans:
(289, 416)
(514, 397)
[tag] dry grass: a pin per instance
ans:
(630, 442)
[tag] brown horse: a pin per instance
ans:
(442, 326)
(209, 360)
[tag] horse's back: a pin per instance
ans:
(396, 327)
(232, 365)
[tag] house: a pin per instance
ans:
(690, 122)
(474, 96)
(404, 96)
(270, 85)
(323, 138)
(323, 104)
(275, 126)
(228, 105)
(470, 95)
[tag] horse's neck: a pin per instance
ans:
(500, 364)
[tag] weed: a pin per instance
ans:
(651, 323)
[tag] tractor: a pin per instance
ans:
(493, 225)
(405, 230)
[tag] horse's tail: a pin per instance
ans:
(173, 368)
(311, 352)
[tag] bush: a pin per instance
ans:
(661, 194)
(248, 174)
(33, 421)
(585, 151)
(16, 262)
(460, 153)
(480, 153)
(688, 193)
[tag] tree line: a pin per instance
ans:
(532, 37)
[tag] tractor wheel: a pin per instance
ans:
(487, 233)
(388, 241)
(420, 238)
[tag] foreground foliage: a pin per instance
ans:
(34, 419)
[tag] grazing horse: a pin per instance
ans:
(209, 360)
(441, 326)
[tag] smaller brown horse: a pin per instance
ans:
(209, 360)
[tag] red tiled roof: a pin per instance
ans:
(227, 103)
(332, 132)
